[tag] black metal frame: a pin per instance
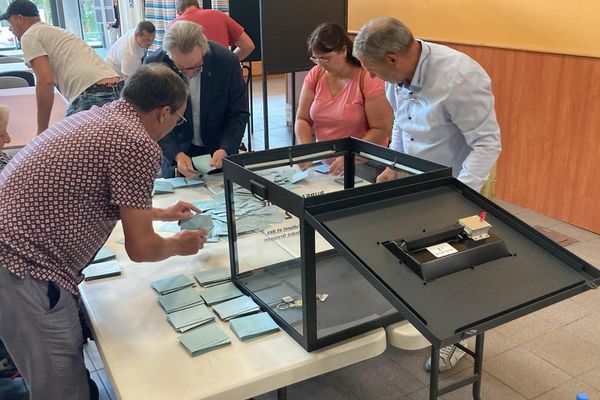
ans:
(235, 171)
(314, 212)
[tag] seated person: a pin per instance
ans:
(338, 98)
(4, 136)
(217, 112)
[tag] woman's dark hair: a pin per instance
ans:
(155, 85)
(330, 36)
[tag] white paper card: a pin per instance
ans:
(441, 250)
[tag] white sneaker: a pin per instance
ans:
(449, 356)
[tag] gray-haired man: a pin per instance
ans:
(443, 108)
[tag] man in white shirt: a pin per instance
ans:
(126, 55)
(443, 109)
(442, 100)
(59, 58)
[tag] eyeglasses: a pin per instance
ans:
(181, 119)
(194, 68)
(320, 60)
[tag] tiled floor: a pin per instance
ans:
(549, 355)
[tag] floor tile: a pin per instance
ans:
(576, 233)
(101, 389)
(377, 378)
(107, 384)
(526, 373)
(533, 218)
(94, 355)
(569, 390)
(586, 328)
(525, 329)
(511, 208)
(495, 344)
(592, 378)
(491, 389)
(563, 313)
(589, 251)
(566, 351)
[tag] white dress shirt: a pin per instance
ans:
(446, 114)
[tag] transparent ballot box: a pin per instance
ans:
(278, 255)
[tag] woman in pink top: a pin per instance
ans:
(338, 98)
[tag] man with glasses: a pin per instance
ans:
(127, 53)
(443, 106)
(217, 112)
(53, 225)
(59, 58)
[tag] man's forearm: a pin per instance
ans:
(44, 95)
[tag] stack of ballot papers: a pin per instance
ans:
(220, 293)
(204, 339)
(104, 254)
(235, 308)
(162, 187)
(180, 182)
(213, 276)
(101, 270)
(171, 284)
(190, 318)
(180, 300)
(253, 326)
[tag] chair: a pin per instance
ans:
(27, 75)
(10, 59)
(7, 82)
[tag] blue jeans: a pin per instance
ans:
(86, 100)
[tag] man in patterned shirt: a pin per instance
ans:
(59, 200)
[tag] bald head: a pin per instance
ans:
(381, 36)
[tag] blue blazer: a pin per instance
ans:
(223, 107)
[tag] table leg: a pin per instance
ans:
(435, 372)
(282, 393)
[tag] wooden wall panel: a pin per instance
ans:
(548, 108)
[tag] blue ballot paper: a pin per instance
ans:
(235, 308)
(220, 293)
(202, 164)
(171, 284)
(198, 221)
(101, 270)
(104, 254)
(162, 187)
(204, 339)
(212, 276)
(253, 326)
(179, 300)
(322, 168)
(189, 318)
(298, 176)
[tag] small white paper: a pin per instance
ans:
(441, 250)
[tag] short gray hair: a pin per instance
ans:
(183, 36)
(380, 36)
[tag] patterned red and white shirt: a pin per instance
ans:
(60, 197)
